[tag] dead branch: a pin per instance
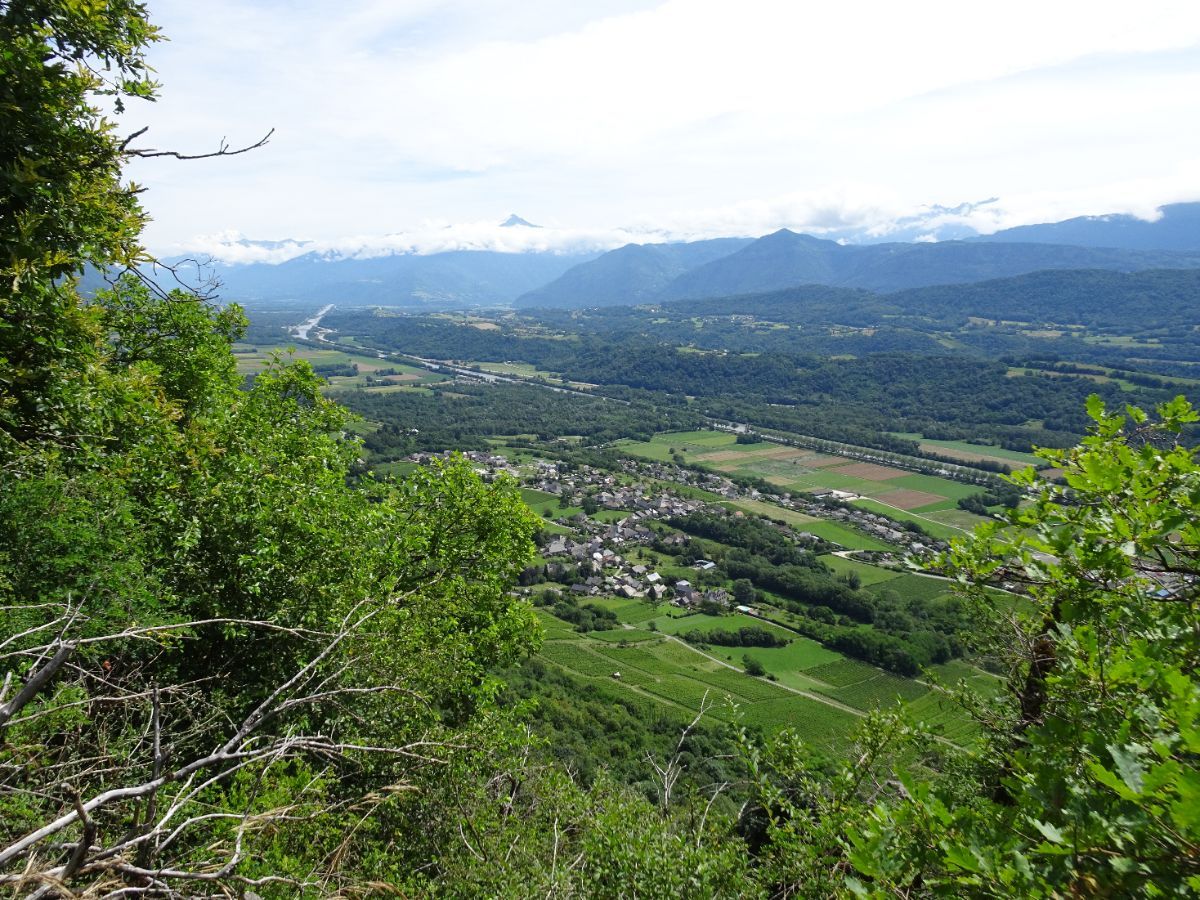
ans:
(222, 150)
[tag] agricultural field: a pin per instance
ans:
(927, 500)
(867, 573)
(850, 538)
(519, 369)
(818, 692)
(252, 358)
(705, 623)
(688, 444)
(922, 587)
(671, 673)
(931, 522)
(969, 452)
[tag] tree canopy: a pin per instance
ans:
(209, 623)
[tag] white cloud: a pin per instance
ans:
(597, 115)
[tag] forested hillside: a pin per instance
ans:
(236, 662)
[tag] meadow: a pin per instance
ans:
(818, 692)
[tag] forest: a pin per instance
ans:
(857, 400)
(233, 664)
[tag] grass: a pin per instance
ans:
(882, 690)
(771, 511)
(672, 674)
(254, 359)
(990, 450)
(815, 722)
(575, 656)
(842, 672)
(655, 669)
(635, 612)
(554, 628)
(867, 574)
(923, 587)
(850, 538)
(981, 682)
(540, 501)
(942, 715)
(955, 516)
(706, 623)
(525, 370)
(618, 635)
(398, 469)
(933, 527)
(608, 516)
(831, 479)
(787, 664)
(952, 490)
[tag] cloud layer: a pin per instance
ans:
(666, 118)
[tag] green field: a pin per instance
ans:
(541, 502)
(771, 511)
(984, 683)
(850, 538)
(398, 469)
(635, 612)
(864, 687)
(799, 470)
(622, 635)
(1000, 454)
(651, 667)
(666, 670)
(944, 716)
(953, 490)
(686, 443)
(705, 623)
(932, 526)
(253, 358)
(867, 574)
(924, 587)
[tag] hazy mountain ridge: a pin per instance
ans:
(663, 272)
(785, 259)
(456, 278)
(634, 273)
(1178, 228)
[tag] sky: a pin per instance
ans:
(420, 125)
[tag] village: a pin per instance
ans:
(597, 551)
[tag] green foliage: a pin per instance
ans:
(1088, 780)
(216, 637)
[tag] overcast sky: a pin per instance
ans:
(606, 119)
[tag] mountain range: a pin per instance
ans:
(786, 259)
(663, 272)
(458, 278)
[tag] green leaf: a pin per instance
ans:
(1129, 766)
(1051, 832)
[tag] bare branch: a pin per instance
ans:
(223, 150)
(36, 683)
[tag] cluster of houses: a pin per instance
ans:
(864, 520)
(487, 465)
(645, 502)
(619, 579)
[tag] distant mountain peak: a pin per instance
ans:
(515, 221)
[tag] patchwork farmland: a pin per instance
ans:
(927, 500)
(815, 691)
